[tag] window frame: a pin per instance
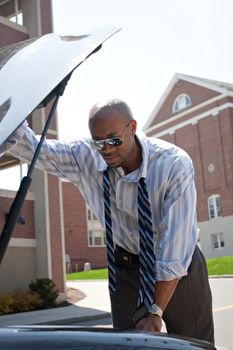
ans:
(217, 240)
(181, 102)
(93, 235)
(214, 206)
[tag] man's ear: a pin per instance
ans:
(134, 127)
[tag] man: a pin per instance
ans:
(181, 292)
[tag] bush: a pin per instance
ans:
(6, 304)
(47, 290)
(19, 302)
(27, 301)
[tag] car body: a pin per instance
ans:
(80, 338)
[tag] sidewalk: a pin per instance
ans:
(95, 305)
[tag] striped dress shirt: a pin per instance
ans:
(169, 175)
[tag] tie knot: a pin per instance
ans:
(142, 181)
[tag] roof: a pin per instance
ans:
(221, 87)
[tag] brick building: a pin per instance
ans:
(197, 115)
(84, 236)
(37, 246)
(54, 221)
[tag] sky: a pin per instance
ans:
(158, 39)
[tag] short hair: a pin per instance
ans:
(115, 103)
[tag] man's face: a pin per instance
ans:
(110, 124)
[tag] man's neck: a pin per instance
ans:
(135, 159)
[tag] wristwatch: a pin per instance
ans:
(155, 310)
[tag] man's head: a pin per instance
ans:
(113, 129)
(116, 104)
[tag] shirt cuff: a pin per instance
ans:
(13, 139)
(166, 271)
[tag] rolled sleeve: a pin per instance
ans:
(169, 270)
(178, 234)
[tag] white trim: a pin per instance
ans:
(195, 119)
(8, 23)
(62, 233)
(39, 30)
(47, 224)
(52, 132)
(210, 84)
(12, 194)
(23, 242)
(16, 11)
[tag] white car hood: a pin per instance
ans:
(30, 70)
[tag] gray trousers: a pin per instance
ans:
(189, 312)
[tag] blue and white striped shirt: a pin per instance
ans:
(170, 183)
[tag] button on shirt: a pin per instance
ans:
(170, 183)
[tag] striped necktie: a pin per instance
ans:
(146, 251)
(108, 229)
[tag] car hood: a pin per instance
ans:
(32, 69)
(81, 338)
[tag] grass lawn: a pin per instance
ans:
(101, 274)
(216, 266)
(220, 266)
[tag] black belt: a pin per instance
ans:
(125, 259)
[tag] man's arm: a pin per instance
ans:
(177, 241)
(163, 293)
(65, 160)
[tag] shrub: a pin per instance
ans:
(19, 302)
(6, 304)
(47, 290)
(27, 301)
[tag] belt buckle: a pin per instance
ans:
(127, 258)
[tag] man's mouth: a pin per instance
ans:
(109, 158)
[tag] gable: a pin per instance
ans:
(197, 94)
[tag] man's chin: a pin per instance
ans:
(115, 162)
(113, 165)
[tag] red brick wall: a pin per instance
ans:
(27, 211)
(55, 232)
(46, 16)
(10, 35)
(210, 141)
(76, 236)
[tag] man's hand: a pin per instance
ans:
(150, 323)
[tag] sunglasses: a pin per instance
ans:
(112, 141)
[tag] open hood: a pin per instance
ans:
(32, 69)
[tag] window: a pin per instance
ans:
(97, 238)
(217, 240)
(12, 9)
(11, 177)
(91, 216)
(214, 206)
(182, 101)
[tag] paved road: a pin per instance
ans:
(222, 290)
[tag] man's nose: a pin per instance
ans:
(107, 148)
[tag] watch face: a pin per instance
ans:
(155, 310)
